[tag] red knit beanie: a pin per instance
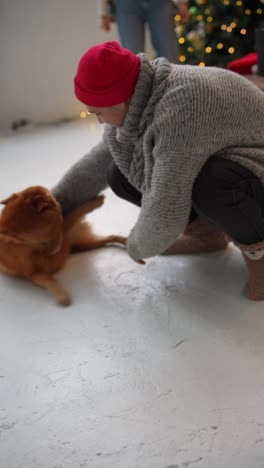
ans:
(106, 75)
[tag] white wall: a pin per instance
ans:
(40, 45)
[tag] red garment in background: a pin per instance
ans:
(243, 65)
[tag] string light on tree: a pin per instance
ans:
(177, 18)
(181, 40)
(182, 58)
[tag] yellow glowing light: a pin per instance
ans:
(182, 58)
(248, 12)
(223, 27)
(210, 19)
(233, 25)
(190, 49)
(199, 17)
(208, 50)
(226, 2)
(177, 17)
(229, 29)
(220, 45)
(239, 3)
(259, 11)
(231, 50)
(201, 64)
(243, 31)
(181, 40)
(207, 11)
(83, 115)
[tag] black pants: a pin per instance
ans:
(225, 193)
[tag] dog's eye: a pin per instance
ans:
(44, 243)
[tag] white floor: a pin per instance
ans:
(156, 366)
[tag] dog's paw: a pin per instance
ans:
(64, 300)
(99, 201)
(121, 240)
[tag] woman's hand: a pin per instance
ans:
(105, 23)
(139, 261)
(184, 12)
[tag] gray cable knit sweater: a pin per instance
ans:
(179, 116)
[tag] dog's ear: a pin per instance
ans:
(40, 203)
(9, 199)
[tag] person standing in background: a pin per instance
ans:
(132, 16)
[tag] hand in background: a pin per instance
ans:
(105, 23)
(184, 11)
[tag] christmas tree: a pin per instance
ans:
(218, 31)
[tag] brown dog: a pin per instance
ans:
(35, 240)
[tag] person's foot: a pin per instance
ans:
(254, 257)
(199, 237)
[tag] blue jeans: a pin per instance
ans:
(131, 17)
